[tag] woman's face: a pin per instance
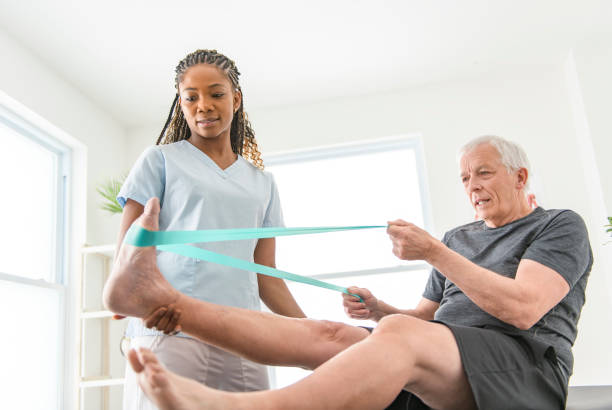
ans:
(208, 101)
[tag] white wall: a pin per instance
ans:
(594, 67)
(29, 81)
(532, 108)
(587, 70)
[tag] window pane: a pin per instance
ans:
(365, 189)
(400, 289)
(27, 211)
(30, 376)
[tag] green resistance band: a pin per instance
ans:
(176, 242)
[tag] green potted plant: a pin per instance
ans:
(109, 191)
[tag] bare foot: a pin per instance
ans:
(170, 391)
(136, 287)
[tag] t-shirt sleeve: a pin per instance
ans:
(434, 289)
(147, 178)
(274, 212)
(563, 245)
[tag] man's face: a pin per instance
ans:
(493, 192)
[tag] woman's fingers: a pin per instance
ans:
(171, 328)
(153, 319)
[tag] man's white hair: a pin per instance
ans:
(512, 155)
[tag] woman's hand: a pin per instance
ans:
(356, 309)
(164, 319)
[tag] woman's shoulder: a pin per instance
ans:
(256, 172)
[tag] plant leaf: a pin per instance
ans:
(109, 191)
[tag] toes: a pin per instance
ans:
(157, 376)
(147, 357)
(135, 361)
(150, 217)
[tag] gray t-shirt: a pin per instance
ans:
(555, 238)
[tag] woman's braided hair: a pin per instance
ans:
(242, 137)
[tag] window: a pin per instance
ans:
(32, 264)
(365, 184)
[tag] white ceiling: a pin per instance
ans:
(122, 53)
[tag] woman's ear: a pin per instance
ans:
(237, 100)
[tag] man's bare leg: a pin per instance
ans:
(402, 352)
(136, 288)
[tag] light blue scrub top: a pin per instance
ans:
(196, 194)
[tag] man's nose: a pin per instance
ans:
(473, 185)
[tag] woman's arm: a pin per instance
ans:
(274, 291)
(131, 211)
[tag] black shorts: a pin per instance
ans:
(505, 371)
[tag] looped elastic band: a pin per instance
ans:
(176, 242)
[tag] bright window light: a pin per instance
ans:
(368, 184)
(29, 208)
(31, 366)
(361, 189)
(32, 278)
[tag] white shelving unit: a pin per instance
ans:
(100, 364)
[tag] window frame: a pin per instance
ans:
(411, 141)
(22, 121)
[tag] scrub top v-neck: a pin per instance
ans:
(195, 193)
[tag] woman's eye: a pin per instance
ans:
(218, 95)
(190, 98)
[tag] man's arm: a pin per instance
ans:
(274, 291)
(521, 301)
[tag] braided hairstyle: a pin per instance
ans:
(242, 137)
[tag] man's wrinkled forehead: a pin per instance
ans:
(481, 155)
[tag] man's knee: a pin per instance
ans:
(398, 324)
(410, 334)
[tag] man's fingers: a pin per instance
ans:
(360, 314)
(397, 222)
(353, 304)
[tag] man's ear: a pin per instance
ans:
(521, 177)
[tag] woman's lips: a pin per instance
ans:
(205, 123)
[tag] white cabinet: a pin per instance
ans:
(100, 363)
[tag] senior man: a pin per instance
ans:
(494, 328)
